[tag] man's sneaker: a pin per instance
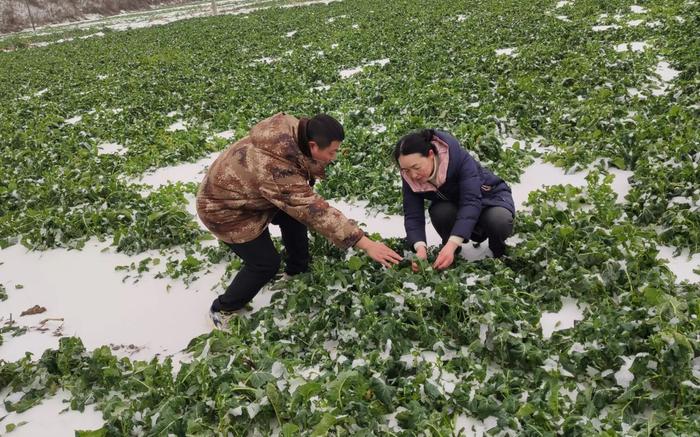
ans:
(282, 277)
(279, 280)
(221, 319)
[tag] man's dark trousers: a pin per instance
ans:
(261, 262)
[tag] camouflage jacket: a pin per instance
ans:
(261, 174)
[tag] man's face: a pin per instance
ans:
(327, 155)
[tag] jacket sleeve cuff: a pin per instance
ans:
(456, 239)
(418, 244)
(354, 239)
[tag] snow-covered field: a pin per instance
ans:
(81, 294)
(85, 297)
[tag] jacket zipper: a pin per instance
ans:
(442, 196)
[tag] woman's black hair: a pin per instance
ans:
(324, 129)
(415, 142)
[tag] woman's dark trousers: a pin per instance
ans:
(495, 223)
(261, 262)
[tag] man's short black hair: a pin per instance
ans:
(324, 129)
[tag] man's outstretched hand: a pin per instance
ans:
(378, 251)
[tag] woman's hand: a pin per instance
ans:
(421, 253)
(379, 252)
(446, 256)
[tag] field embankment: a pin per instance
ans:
(17, 15)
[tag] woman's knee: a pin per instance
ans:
(443, 216)
(443, 212)
(500, 222)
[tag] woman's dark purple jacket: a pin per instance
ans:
(463, 187)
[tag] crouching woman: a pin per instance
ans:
(466, 201)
